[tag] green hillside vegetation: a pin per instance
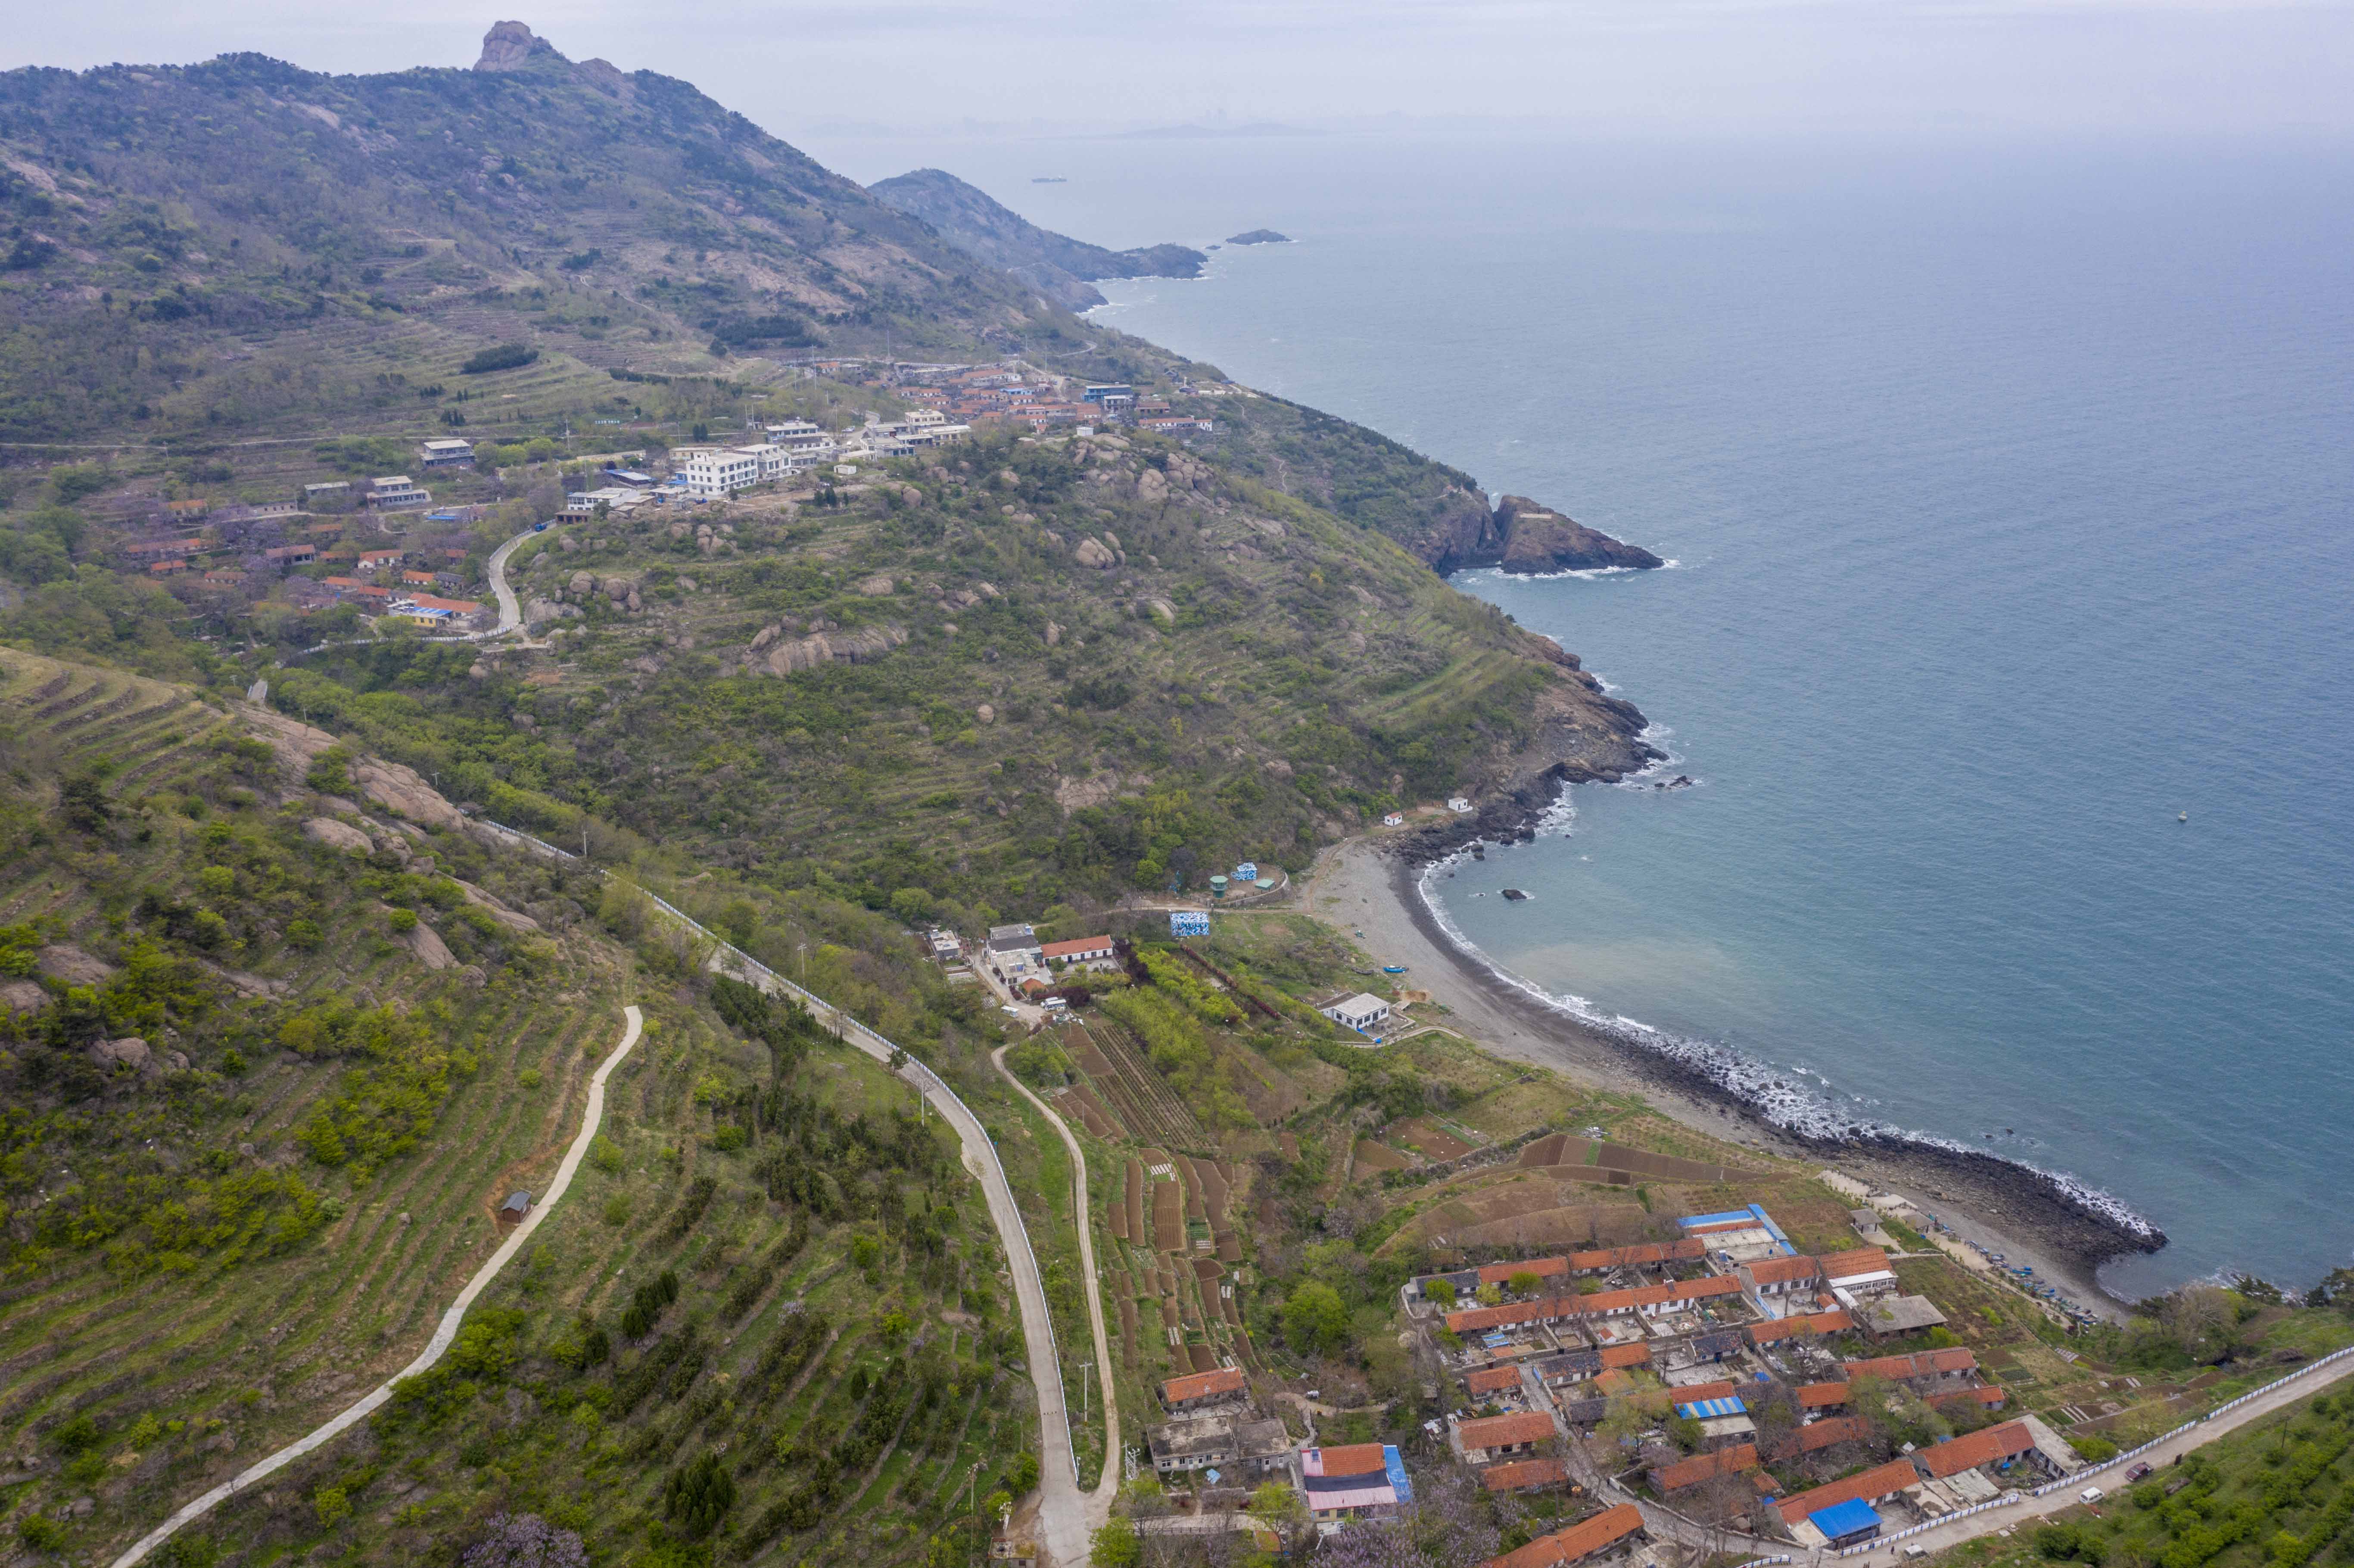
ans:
(1251, 678)
(2278, 1494)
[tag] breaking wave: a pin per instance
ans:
(1775, 1095)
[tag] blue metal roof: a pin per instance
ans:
(1709, 1409)
(1842, 1519)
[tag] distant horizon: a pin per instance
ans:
(1839, 69)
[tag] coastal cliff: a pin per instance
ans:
(1519, 536)
(1058, 266)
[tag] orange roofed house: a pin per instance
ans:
(1195, 1390)
(1081, 953)
(1581, 1542)
(1489, 1438)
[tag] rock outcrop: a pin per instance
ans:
(338, 835)
(1519, 536)
(430, 949)
(70, 964)
(795, 654)
(401, 790)
(510, 46)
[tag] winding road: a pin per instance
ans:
(444, 1334)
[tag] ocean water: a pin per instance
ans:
(2010, 494)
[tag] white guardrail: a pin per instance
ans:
(916, 1071)
(2078, 1480)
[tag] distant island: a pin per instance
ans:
(1049, 180)
(1056, 265)
(1258, 236)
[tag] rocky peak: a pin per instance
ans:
(510, 46)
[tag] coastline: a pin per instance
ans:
(1374, 887)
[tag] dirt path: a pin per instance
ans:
(1099, 1501)
(443, 1335)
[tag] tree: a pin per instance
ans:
(1441, 1291)
(1490, 1294)
(1116, 1544)
(1525, 1283)
(526, 1540)
(1316, 1321)
(1278, 1505)
(698, 1496)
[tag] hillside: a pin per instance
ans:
(1056, 265)
(278, 1034)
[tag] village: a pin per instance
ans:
(391, 547)
(1733, 1385)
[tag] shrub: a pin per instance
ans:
(505, 357)
(526, 1540)
(605, 1155)
(334, 1506)
(697, 1496)
(39, 1533)
(76, 1435)
(305, 935)
(729, 1139)
(403, 921)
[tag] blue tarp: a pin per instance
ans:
(1709, 1409)
(1396, 1468)
(1846, 1522)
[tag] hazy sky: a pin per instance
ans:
(1865, 68)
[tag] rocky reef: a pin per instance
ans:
(1518, 534)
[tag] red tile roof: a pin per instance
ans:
(1542, 1268)
(1955, 1455)
(1514, 1474)
(1766, 1333)
(1987, 1395)
(1354, 1459)
(1505, 1431)
(1579, 1540)
(1928, 1363)
(1817, 1435)
(1489, 1380)
(1683, 1250)
(1856, 1261)
(1632, 1355)
(1887, 1481)
(1701, 1393)
(1781, 1270)
(1201, 1385)
(1699, 1467)
(1082, 944)
(1821, 1396)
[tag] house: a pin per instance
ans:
(332, 489)
(1081, 952)
(1014, 949)
(1768, 1331)
(1525, 1474)
(1250, 1448)
(390, 491)
(1641, 1301)
(164, 550)
(1492, 1380)
(1772, 1283)
(1363, 1012)
(1816, 1396)
(1984, 1397)
(1686, 1249)
(517, 1205)
(419, 579)
(434, 611)
(224, 576)
(1195, 1391)
(1685, 1474)
(1889, 1317)
(1107, 393)
(371, 560)
(1362, 1480)
(1998, 1446)
(1848, 1523)
(172, 567)
(447, 452)
(716, 473)
(289, 554)
(1569, 1367)
(1176, 424)
(1926, 1370)
(1486, 1437)
(1876, 1485)
(1829, 1433)
(1619, 1358)
(1707, 1401)
(1580, 1543)
(1853, 1275)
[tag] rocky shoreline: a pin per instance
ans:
(2071, 1226)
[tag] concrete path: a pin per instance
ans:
(443, 1335)
(1064, 1508)
(510, 610)
(1098, 1503)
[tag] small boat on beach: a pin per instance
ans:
(1393, 969)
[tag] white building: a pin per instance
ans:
(446, 453)
(1364, 1012)
(776, 461)
(1014, 950)
(396, 490)
(720, 474)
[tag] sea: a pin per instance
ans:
(2007, 643)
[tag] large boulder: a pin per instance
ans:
(1092, 554)
(430, 949)
(338, 835)
(23, 996)
(401, 790)
(127, 1053)
(64, 961)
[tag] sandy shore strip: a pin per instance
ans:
(1360, 885)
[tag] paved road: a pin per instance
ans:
(2031, 1510)
(1063, 1514)
(509, 611)
(443, 1335)
(1097, 1504)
